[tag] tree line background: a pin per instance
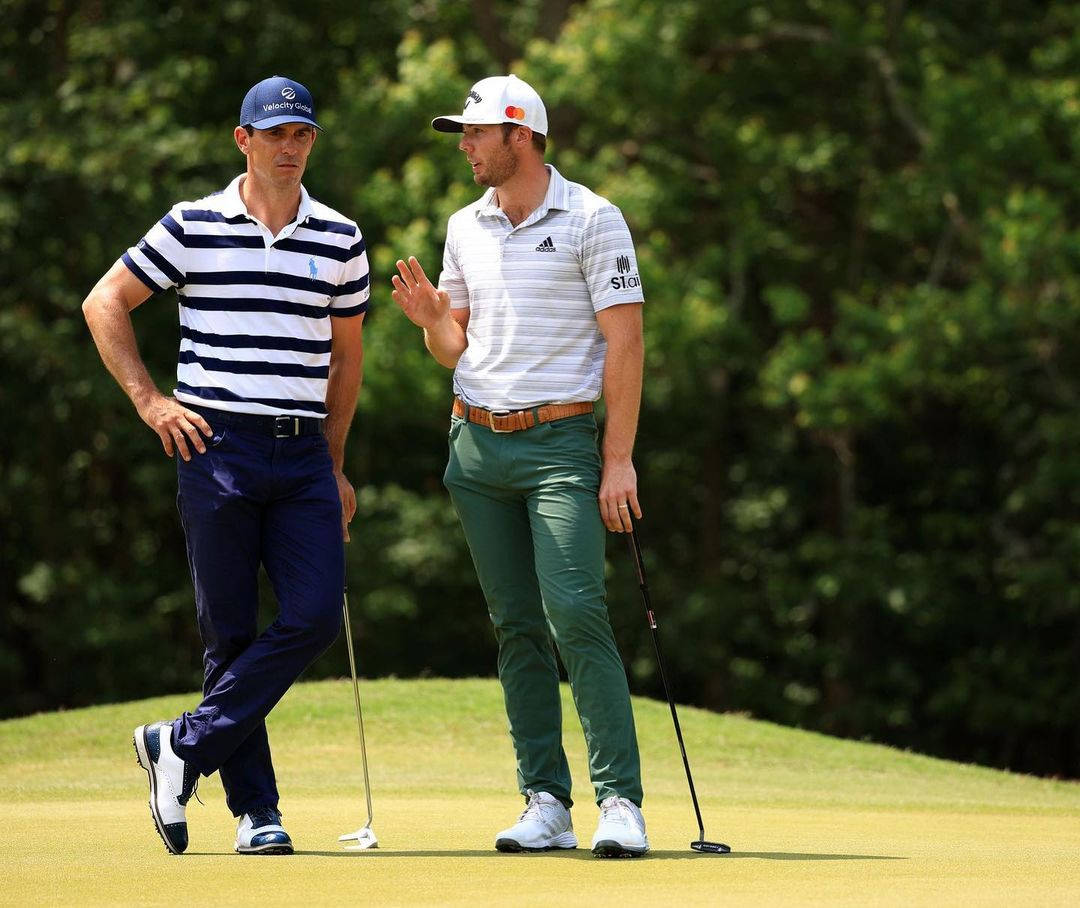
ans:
(857, 227)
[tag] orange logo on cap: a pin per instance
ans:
(515, 113)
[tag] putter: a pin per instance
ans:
(364, 837)
(700, 844)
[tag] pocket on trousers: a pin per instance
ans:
(453, 468)
(575, 442)
(578, 433)
(323, 447)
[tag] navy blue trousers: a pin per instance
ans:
(252, 499)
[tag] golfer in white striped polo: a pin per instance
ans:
(538, 312)
(272, 289)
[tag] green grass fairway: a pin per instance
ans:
(811, 819)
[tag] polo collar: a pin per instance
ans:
(558, 194)
(487, 207)
(556, 197)
(232, 204)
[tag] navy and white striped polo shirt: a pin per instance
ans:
(254, 308)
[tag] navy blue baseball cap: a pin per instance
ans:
(277, 100)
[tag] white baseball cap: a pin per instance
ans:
(498, 99)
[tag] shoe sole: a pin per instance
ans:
(265, 849)
(612, 849)
(142, 756)
(513, 846)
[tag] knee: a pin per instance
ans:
(224, 650)
(577, 621)
(223, 641)
(318, 630)
(326, 627)
(509, 632)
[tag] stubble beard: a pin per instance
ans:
(499, 168)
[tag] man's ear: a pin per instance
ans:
(243, 140)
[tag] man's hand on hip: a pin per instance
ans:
(348, 502)
(175, 424)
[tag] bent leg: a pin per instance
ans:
(302, 550)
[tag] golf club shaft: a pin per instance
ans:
(356, 697)
(643, 585)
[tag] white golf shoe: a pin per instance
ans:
(261, 832)
(545, 824)
(621, 830)
(172, 783)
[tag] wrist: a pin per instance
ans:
(442, 324)
(143, 395)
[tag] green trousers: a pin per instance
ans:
(527, 503)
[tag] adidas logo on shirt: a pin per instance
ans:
(546, 246)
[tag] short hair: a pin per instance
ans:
(539, 141)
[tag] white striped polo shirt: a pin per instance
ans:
(533, 292)
(254, 308)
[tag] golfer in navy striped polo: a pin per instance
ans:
(272, 289)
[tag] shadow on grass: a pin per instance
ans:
(797, 856)
(584, 854)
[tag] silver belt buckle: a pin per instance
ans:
(491, 420)
(286, 426)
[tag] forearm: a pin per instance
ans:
(343, 388)
(109, 320)
(446, 341)
(622, 397)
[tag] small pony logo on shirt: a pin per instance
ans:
(313, 268)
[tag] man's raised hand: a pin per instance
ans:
(422, 304)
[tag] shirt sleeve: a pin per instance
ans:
(608, 260)
(452, 280)
(159, 259)
(354, 289)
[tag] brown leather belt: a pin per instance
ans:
(515, 420)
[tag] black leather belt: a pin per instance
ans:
(274, 426)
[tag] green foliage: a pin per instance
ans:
(856, 226)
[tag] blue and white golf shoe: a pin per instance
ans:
(172, 783)
(261, 832)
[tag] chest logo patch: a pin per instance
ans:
(546, 246)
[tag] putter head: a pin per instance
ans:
(363, 838)
(711, 847)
